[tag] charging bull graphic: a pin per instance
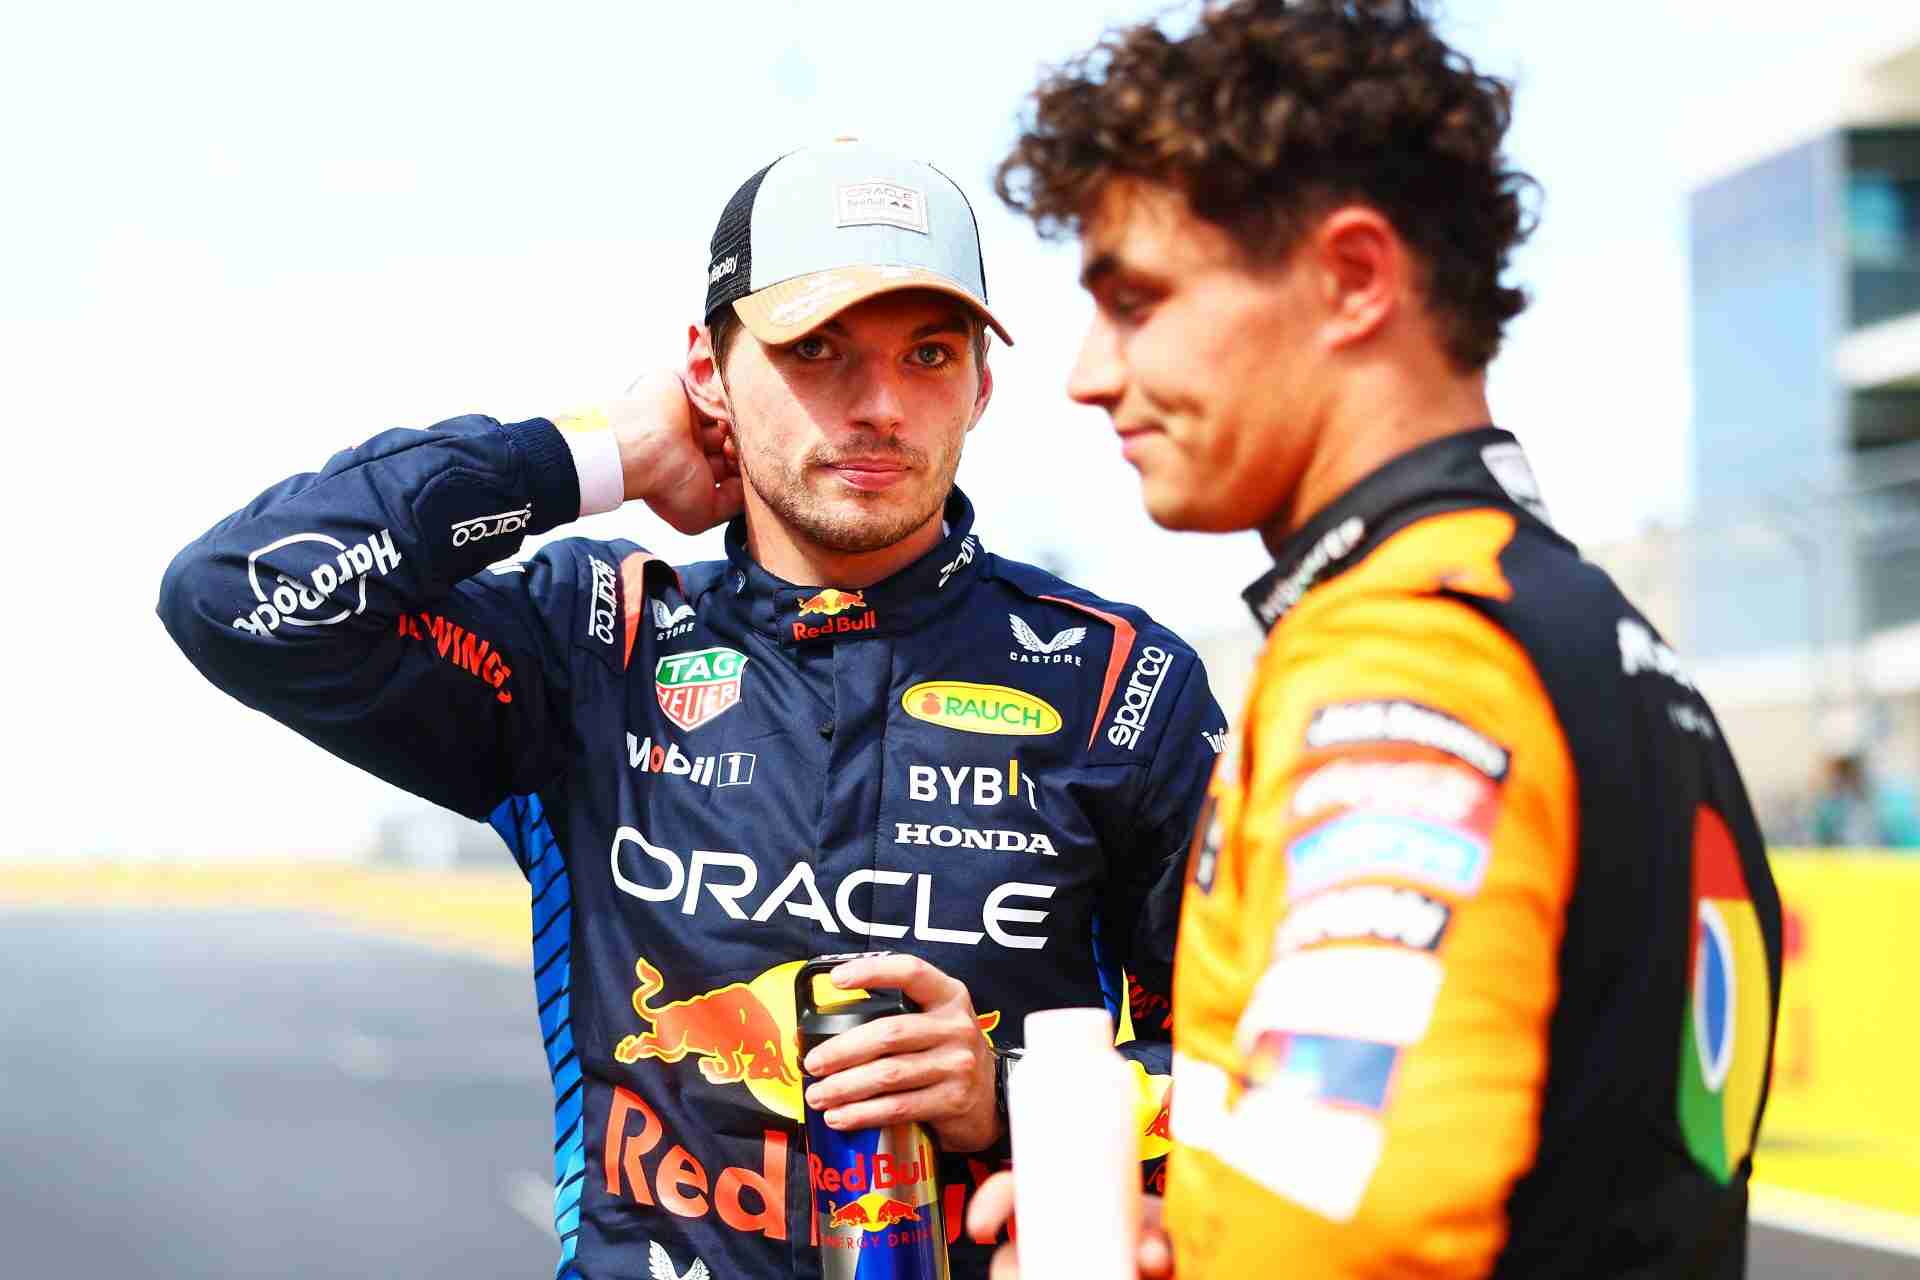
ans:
(728, 1029)
(741, 1034)
(892, 1211)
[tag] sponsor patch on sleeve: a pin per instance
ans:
(1330, 1152)
(1333, 1070)
(1364, 913)
(1416, 784)
(1325, 1162)
(1381, 994)
(1343, 724)
(1366, 845)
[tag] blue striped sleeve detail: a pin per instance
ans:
(551, 977)
(547, 939)
(573, 1154)
(558, 1051)
(522, 822)
(570, 1190)
(556, 876)
(568, 1112)
(546, 909)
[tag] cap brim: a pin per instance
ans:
(783, 312)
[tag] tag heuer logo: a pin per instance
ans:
(695, 687)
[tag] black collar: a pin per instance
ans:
(802, 614)
(1484, 467)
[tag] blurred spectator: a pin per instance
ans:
(1855, 809)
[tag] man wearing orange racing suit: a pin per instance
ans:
(1479, 961)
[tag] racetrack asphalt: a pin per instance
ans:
(226, 1094)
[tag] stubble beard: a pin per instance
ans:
(853, 523)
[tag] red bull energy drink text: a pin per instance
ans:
(876, 1196)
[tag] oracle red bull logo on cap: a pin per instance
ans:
(695, 687)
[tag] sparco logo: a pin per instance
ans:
(723, 268)
(296, 598)
(1137, 705)
(600, 611)
(491, 526)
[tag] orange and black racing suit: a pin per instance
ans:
(1479, 962)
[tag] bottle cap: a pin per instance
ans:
(1070, 1029)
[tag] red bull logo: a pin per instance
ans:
(644, 1163)
(743, 1033)
(748, 1200)
(886, 1172)
(892, 1211)
(833, 602)
(836, 627)
(888, 1212)
(728, 1030)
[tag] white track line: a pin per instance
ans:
(1810, 1215)
(530, 1196)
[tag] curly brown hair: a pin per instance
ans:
(1269, 112)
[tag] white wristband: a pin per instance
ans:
(596, 460)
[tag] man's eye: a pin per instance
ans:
(811, 347)
(931, 355)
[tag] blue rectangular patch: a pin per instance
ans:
(1371, 844)
(1352, 1073)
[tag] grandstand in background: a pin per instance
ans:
(1795, 586)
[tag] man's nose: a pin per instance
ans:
(877, 403)
(1099, 374)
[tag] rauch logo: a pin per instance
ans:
(980, 708)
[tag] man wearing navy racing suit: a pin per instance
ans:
(859, 730)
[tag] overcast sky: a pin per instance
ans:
(241, 236)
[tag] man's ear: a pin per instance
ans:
(1364, 272)
(985, 393)
(704, 385)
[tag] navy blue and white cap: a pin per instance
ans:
(825, 228)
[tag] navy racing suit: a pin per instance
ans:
(707, 775)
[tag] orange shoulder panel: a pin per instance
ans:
(1365, 984)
